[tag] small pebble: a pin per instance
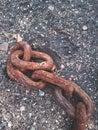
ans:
(50, 7)
(9, 124)
(71, 77)
(32, 128)
(41, 93)
(62, 66)
(57, 121)
(52, 109)
(69, 52)
(84, 28)
(22, 108)
(34, 123)
(91, 126)
(30, 114)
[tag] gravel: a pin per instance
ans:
(70, 29)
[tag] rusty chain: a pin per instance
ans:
(23, 59)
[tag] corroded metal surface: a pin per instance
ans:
(42, 72)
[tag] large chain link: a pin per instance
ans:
(23, 59)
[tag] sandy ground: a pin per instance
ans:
(69, 28)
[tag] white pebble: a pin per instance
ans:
(62, 66)
(22, 108)
(32, 128)
(9, 124)
(91, 126)
(51, 7)
(84, 28)
(30, 114)
(57, 121)
(41, 93)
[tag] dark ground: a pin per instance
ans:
(70, 28)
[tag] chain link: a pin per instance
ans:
(41, 67)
